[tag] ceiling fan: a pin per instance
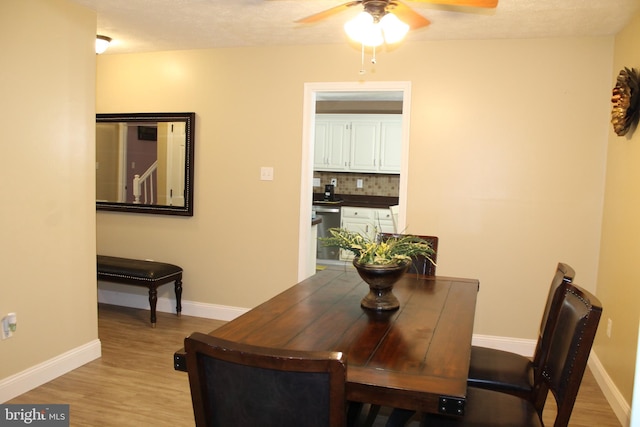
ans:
(385, 21)
(379, 8)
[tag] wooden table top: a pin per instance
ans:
(416, 357)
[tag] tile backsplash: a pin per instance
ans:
(373, 184)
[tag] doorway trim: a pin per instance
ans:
(306, 179)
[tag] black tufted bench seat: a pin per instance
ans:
(142, 273)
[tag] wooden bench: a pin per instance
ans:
(142, 273)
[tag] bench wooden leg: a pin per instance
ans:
(178, 288)
(153, 300)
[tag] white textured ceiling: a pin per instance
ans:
(153, 25)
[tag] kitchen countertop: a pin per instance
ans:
(357, 200)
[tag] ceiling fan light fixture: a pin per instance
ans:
(393, 29)
(365, 30)
(362, 29)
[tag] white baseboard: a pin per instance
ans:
(619, 406)
(515, 345)
(35, 376)
(168, 305)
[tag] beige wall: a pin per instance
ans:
(619, 276)
(507, 156)
(47, 168)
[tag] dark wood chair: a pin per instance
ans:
(236, 385)
(513, 373)
(561, 373)
(421, 265)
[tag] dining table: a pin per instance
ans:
(415, 357)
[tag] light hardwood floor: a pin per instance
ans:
(134, 384)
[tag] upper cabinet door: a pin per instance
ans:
(320, 143)
(390, 145)
(331, 146)
(365, 137)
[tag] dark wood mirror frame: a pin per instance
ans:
(144, 119)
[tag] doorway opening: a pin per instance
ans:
(314, 92)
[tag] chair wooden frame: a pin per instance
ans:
(562, 374)
(513, 373)
(206, 353)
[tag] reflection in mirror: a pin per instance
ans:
(144, 162)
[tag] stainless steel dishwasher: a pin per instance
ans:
(330, 219)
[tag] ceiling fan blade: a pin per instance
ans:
(327, 13)
(409, 16)
(471, 3)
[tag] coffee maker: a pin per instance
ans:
(329, 193)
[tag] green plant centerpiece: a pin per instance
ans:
(380, 261)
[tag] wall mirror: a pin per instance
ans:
(144, 163)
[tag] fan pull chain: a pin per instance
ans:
(373, 59)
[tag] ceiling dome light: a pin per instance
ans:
(102, 43)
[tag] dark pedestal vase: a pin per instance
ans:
(380, 279)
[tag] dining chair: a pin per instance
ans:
(513, 373)
(561, 373)
(239, 385)
(421, 265)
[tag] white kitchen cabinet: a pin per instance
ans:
(360, 220)
(384, 220)
(390, 145)
(365, 145)
(376, 143)
(368, 143)
(365, 221)
(331, 149)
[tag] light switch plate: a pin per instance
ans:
(266, 173)
(316, 182)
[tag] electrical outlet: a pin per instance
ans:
(334, 182)
(9, 324)
(609, 327)
(358, 183)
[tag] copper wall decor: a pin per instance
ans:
(625, 98)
